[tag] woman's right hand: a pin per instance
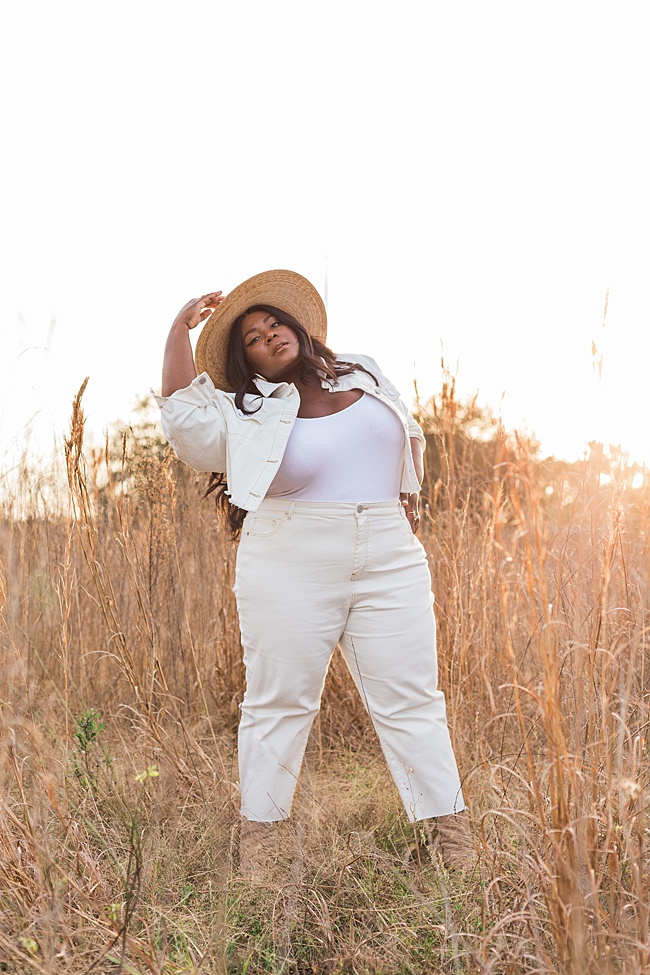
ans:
(198, 309)
(179, 369)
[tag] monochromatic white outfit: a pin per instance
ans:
(312, 574)
(209, 433)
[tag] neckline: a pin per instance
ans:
(329, 416)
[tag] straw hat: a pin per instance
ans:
(285, 290)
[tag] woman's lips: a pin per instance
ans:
(279, 346)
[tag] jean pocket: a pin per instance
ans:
(264, 525)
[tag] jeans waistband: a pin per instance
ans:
(285, 506)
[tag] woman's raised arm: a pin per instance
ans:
(178, 363)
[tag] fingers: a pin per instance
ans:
(197, 310)
(410, 502)
(206, 304)
(213, 298)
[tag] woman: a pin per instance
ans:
(317, 463)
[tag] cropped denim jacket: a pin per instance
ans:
(209, 433)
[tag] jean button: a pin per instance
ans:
(359, 508)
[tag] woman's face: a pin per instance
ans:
(271, 349)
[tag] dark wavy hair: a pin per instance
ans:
(318, 363)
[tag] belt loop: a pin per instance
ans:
(291, 509)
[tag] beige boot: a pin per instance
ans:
(258, 850)
(453, 841)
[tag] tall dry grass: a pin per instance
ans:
(120, 680)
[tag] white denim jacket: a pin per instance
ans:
(209, 433)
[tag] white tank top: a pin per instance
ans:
(353, 455)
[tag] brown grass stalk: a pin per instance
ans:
(120, 679)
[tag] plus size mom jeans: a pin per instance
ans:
(311, 575)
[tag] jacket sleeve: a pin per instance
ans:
(414, 428)
(194, 423)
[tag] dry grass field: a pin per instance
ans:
(120, 678)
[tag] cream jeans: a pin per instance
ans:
(311, 575)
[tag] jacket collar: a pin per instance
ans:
(360, 379)
(266, 388)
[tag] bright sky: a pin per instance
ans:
(470, 178)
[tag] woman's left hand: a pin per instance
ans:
(410, 502)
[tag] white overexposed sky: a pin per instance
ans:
(471, 179)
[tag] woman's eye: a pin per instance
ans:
(253, 340)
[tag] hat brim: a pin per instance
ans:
(286, 290)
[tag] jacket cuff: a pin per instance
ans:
(415, 430)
